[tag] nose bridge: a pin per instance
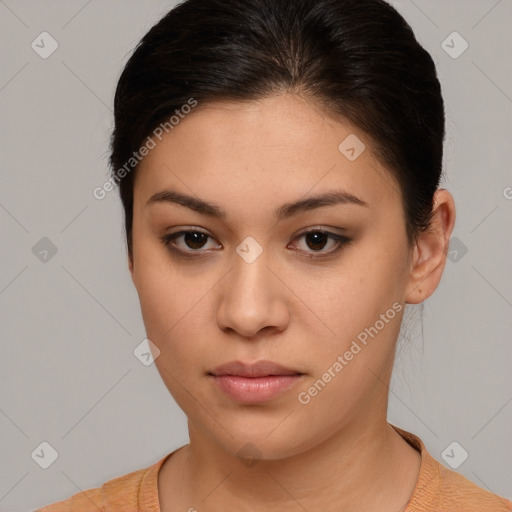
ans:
(250, 271)
(251, 299)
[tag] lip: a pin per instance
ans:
(258, 369)
(254, 383)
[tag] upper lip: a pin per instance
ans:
(258, 369)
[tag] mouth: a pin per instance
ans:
(254, 370)
(254, 383)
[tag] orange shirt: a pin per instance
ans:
(438, 489)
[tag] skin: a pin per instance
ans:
(337, 452)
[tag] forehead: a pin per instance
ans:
(268, 151)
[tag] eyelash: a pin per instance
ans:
(340, 240)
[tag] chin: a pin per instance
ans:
(255, 444)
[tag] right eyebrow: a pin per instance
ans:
(193, 203)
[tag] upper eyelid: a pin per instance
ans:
(335, 236)
(313, 229)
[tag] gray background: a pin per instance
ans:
(70, 323)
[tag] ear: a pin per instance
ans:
(431, 249)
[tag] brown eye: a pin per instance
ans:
(195, 239)
(192, 241)
(317, 240)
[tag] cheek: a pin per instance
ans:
(351, 366)
(367, 282)
(163, 293)
(361, 304)
(162, 299)
(157, 304)
(174, 307)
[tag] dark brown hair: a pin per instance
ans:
(358, 58)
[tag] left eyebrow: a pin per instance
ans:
(310, 203)
(285, 211)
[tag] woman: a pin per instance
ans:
(279, 165)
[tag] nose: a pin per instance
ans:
(253, 300)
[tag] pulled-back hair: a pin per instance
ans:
(357, 58)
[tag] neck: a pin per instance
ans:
(363, 464)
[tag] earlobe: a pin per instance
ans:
(431, 249)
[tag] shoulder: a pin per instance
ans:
(85, 501)
(441, 489)
(121, 493)
(458, 493)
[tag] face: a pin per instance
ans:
(318, 287)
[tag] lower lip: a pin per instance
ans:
(255, 389)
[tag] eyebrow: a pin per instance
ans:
(285, 211)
